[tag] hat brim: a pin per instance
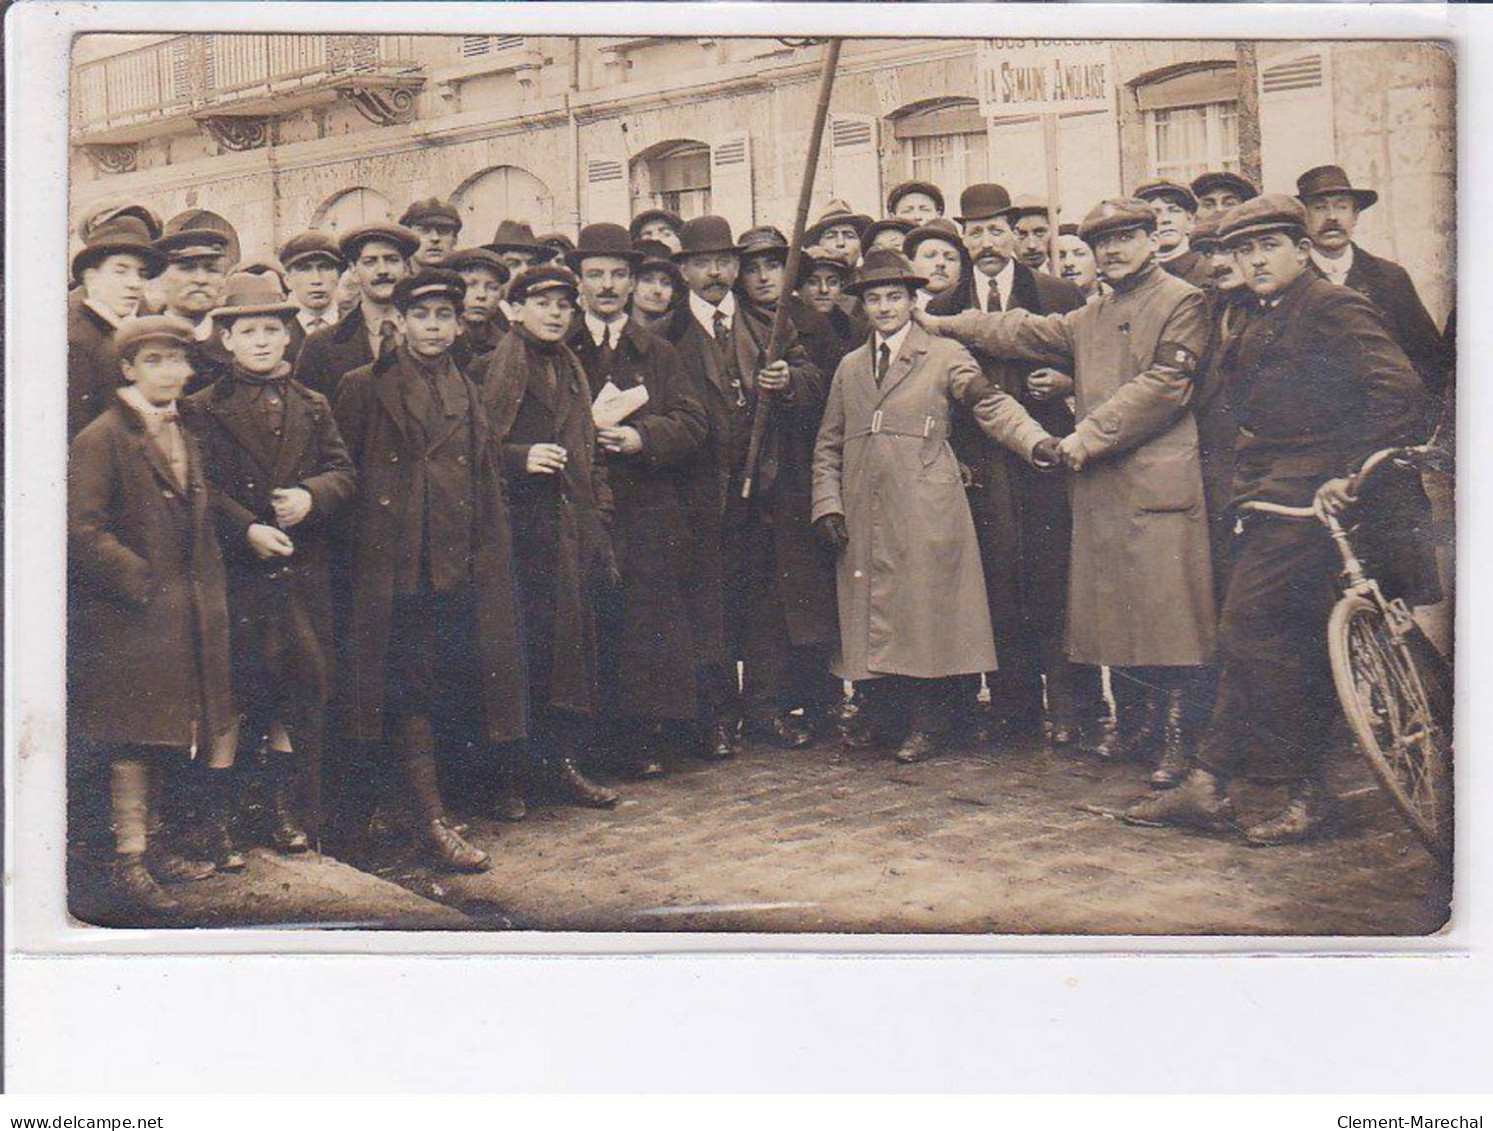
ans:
(1232, 239)
(1362, 197)
(860, 222)
(1089, 235)
(335, 257)
(860, 286)
(155, 260)
(282, 310)
(729, 249)
(1188, 203)
(525, 248)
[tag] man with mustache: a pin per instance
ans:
(1319, 385)
(1333, 206)
(313, 264)
(378, 258)
(937, 254)
(1031, 220)
(1076, 261)
(1176, 214)
(1140, 588)
(1022, 516)
(191, 285)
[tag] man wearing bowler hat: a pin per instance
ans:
(378, 258)
(1218, 191)
(312, 263)
(647, 650)
(727, 374)
(1333, 205)
(1176, 214)
(438, 225)
(117, 258)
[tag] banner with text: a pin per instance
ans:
(1045, 76)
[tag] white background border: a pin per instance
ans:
(1026, 1014)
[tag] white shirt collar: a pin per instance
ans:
(104, 312)
(705, 313)
(151, 414)
(306, 316)
(599, 329)
(894, 342)
(1004, 281)
(1335, 269)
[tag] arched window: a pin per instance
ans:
(352, 208)
(944, 142)
(504, 192)
(1192, 120)
(673, 175)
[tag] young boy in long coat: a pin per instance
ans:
(539, 405)
(148, 663)
(280, 477)
(431, 635)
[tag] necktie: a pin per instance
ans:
(608, 350)
(316, 324)
(172, 446)
(388, 335)
(993, 302)
(883, 363)
(721, 329)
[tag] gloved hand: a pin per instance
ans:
(832, 532)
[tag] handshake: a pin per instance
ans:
(1051, 453)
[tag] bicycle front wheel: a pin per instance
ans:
(1399, 711)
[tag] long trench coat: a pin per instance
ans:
(651, 650)
(148, 642)
(281, 608)
(910, 586)
(1140, 581)
(385, 450)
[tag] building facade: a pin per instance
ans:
(282, 132)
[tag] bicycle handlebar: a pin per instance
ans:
(1430, 454)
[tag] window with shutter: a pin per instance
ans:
(1192, 121)
(946, 145)
(1296, 127)
(731, 180)
(855, 162)
(472, 46)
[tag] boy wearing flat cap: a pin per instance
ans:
(538, 404)
(279, 477)
(1176, 214)
(431, 655)
(148, 664)
(438, 224)
(313, 264)
(482, 320)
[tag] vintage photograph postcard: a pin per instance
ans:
(778, 484)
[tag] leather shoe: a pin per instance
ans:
(917, 747)
(861, 734)
(1198, 802)
(641, 768)
(721, 745)
(786, 733)
(173, 868)
(133, 883)
(1064, 734)
(1304, 816)
(448, 846)
(578, 789)
(510, 807)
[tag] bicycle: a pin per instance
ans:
(1394, 686)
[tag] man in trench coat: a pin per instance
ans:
(1140, 592)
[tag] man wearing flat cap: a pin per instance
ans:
(482, 320)
(378, 258)
(110, 272)
(1333, 206)
(1318, 386)
(1140, 591)
(191, 285)
(1218, 191)
(1022, 517)
(918, 201)
(1176, 213)
(438, 225)
(657, 224)
(312, 262)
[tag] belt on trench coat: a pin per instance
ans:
(909, 424)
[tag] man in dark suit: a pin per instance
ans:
(191, 285)
(1333, 205)
(1022, 517)
(312, 262)
(1176, 215)
(1319, 385)
(379, 257)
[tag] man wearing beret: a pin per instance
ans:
(1176, 212)
(1023, 517)
(117, 258)
(1318, 385)
(378, 258)
(432, 657)
(1218, 191)
(191, 285)
(1333, 206)
(312, 262)
(1140, 591)
(482, 320)
(647, 650)
(438, 225)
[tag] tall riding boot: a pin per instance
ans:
(1176, 758)
(286, 832)
(128, 811)
(437, 836)
(1137, 730)
(565, 776)
(219, 821)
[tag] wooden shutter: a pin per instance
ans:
(855, 162)
(731, 180)
(607, 195)
(1296, 130)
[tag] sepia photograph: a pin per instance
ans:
(896, 485)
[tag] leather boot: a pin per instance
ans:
(435, 833)
(219, 823)
(1175, 759)
(1199, 801)
(1304, 816)
(286, 832)
(918, 746)
(720, 744)
(575, 787)
(133, 883)
(1135, 733)
(510, 804)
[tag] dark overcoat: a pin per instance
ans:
(148, 649)
(280, 605)
(560, 523)
(1389, 287)
(386, 451)
(653, 646)
(1212, 406)
(92, 365)
(333, 351)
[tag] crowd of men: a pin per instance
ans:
(407, 521)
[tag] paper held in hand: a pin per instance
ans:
(612, 406)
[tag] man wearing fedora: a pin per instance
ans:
(1023, 517)
(658, 224)
(279, 477)
(482, 322)
(839, 231)
(1319, 385)
(312, 262)
(110, 272)
(190, 286)
(647, 651)
(1218, 190)
(438, 225)
(1176, 214)
(378, 258)
(1333, 206)
(1140, 586)
(726, 373)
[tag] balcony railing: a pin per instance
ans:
(192, 74)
